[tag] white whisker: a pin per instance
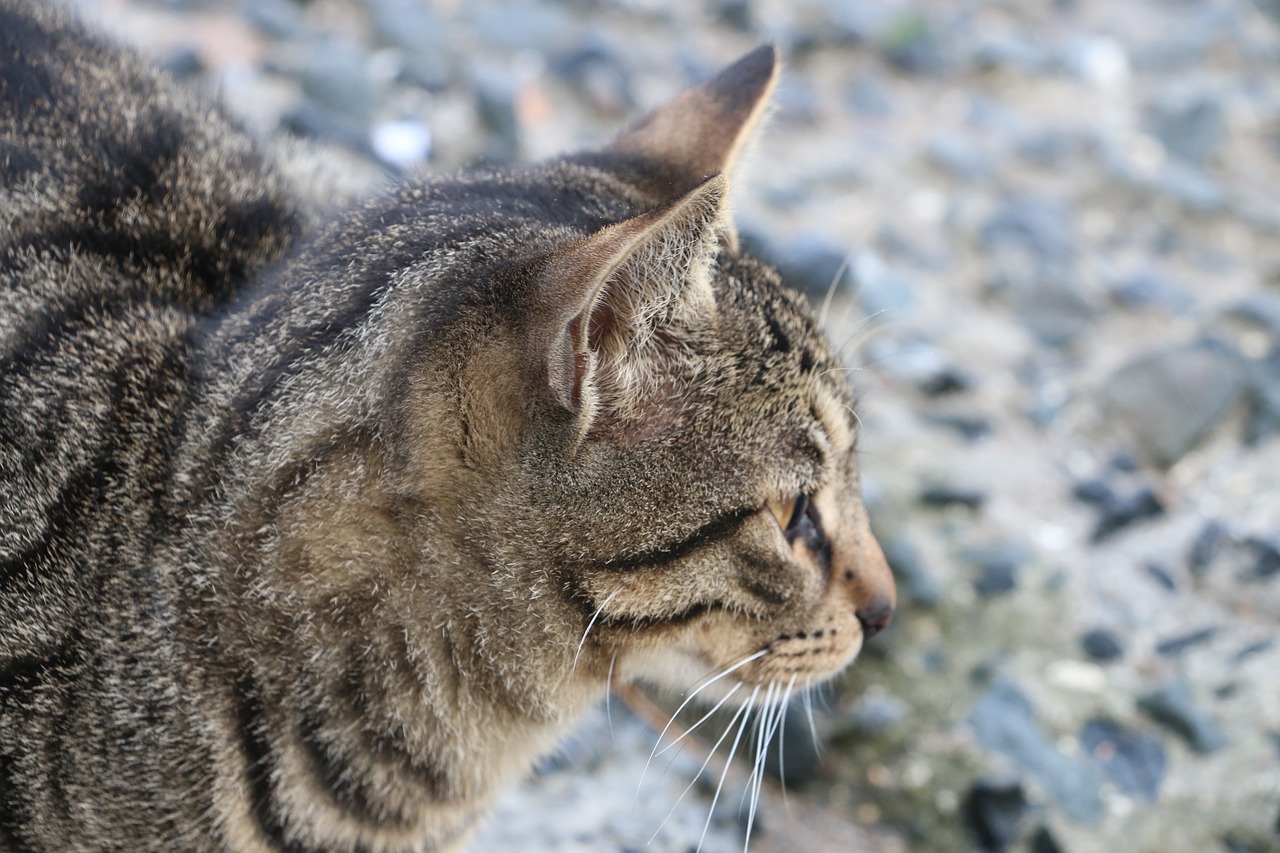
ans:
(831, 288)
(782, 767)
(696, 691)
(594, 617)
(808, 709)
(763, 734)
(729, 762)
(697, 775)
(689, 730)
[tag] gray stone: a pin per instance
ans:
(995, 811)
(1173, 706)
(912, 43)
(999, 564)
(1266, 553)
(521, 24)
(1122, 509)
(1264, 411)
(496, 108)
(1150, 288)
(1189, 128)
(1034, 224)
(1167, 400)
(1102, 645)
(1134, 761)
(279, 19)
(410, 25)
(961, 159)
(880, 288)
(1044, 842)
(1176, 645)
(1004, 721)
(335, 74)
(872, 716)
(946, 494)
(1206, 547)
(1053, 308)
(1261, 309)
(1161, 576)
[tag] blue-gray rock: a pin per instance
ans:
(737, 14)
(915, 579)
(279, 19)
(1160, 575)
(496, 108)
(1173, 706)
(1052, 148)
(1102, 645)
(1008, 52)
(1094, 490)
(872, 716)
(1206, 546)
(1004, 721)
(968, 427)
(1123, 509)
(1134, 761)
(1254, 648)
(1261, 309)
(410, 25)
(881, 289)
(1189, 128)
(1149, 288)
(949, 380)
(946, 494)
(1264, 391)
(1174, 646)
(959, 158)
(1050, 303)
(1033, 224)
(995, 810)
(1266, 554)
(1044, 842)
(335, 74)
(316, 121)
(1168, 399)
(999, 564)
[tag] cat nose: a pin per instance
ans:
(875, 617)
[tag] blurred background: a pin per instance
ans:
(1047, 237)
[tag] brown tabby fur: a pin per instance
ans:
(300, 535)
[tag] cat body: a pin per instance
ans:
(315, 536)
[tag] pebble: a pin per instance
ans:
(598, 73)
(881, 290)
(913, 44)
(960, 159)
(1189, 128)
(409, 25)
(1166, 400)
(868, 96)
(1034, 224)
(1134, 761)
(1190, 187)
(1122, 510)
(1102, 645)
(995, 810)
(945, 495)
(1160, 575)
(1266, 552)
(1206, 546)
(335, 74)
(1044, 842)
(1172, 705)
(1100, 61)
(1004, 721)
(1177, 645)
(1148, 289)
(874, 715)
(1264, 415)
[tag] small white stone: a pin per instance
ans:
(1080, 676)
(402, 143)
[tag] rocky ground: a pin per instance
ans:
(1053, 231)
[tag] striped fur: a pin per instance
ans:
(313, 538)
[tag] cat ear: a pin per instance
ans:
(607, 295)
(703, 130)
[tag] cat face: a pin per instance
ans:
(701, 476)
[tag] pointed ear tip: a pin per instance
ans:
(762, 63)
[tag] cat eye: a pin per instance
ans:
(789, 511)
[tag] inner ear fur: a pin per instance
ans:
(604, 298)
(702, 131)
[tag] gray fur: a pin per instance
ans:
(299, 534)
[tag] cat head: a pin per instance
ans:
(658, 428)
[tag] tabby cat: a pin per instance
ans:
(313, 536)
